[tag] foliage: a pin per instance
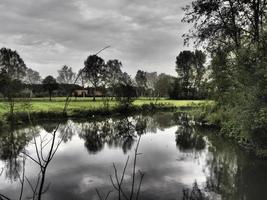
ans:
(50, 84)
(11, 64)
(12, 71)
(164, 85)
(234, 34)
(151, 81)
(141, 81)
(94, 71)
(114, 73)
(125, 91)
(10, 89)
(191, 70)
(32, 77)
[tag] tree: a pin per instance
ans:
(199, 68)
(10, 89)
(164, 85)
(141, 82)
(184, 68)
(234, 34)
(11, 64)
(151, 78)
(226, 22)
(12, 71)
(190, 68)
(32, 77)
(125, 91)
(94, 71)
(50, 84)
(113, 74)
(66, 75)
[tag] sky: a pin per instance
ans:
(47, 34)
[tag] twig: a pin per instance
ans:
(134, 166)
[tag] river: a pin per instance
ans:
(175, 159)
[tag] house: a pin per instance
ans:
(98, 92)
(88, 92)
(80, 93)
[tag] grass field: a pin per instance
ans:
(57, 104)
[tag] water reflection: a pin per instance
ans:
(12, 143)
(181, 160)
(187, 136)
(194, 194)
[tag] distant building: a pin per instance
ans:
(88, 92)
(80, 93)
(98, 92)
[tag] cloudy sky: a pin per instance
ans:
(143, 34)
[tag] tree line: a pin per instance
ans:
(18, 80)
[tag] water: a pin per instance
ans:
(179, 160)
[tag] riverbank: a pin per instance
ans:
(207, 115)
(40, 108)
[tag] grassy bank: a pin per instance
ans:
(43, 108)
(211, 117)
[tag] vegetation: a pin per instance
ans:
(94, 71)
(50, 84)
(191, 82)
(44, 106)
(12, 71)
(66, 75)
(234, 35)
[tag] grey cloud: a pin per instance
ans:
(50, 33)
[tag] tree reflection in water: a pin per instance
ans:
(225, 166)
(187, 137)
(117, 133)
(13, 150)
(12, 143)
(194, 194)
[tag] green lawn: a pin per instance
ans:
(57, 104)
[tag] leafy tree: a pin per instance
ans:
(226, 22)
(12, 64)
(184, 68)
(50, 84)
(200, 70)
(126, 79)
(125, 91)
(151, 78)
(66, 75)
(12, 71)
(164, 84)
(95, 71)
(190, 68)
(10, 89)
(141, 81)
(32, 77)
(113, 74)
(66, 78)
(234, 34)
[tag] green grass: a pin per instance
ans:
(57, 104)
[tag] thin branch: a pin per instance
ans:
(140, 183)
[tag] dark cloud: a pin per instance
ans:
(50, 33)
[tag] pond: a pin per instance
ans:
(175, 159)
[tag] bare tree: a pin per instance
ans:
(32, 77)
(66, 75)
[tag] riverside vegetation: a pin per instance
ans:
(81, 107)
